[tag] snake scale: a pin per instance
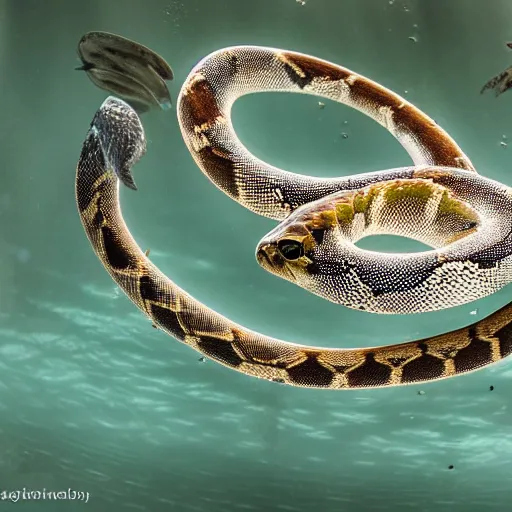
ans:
(441, 200)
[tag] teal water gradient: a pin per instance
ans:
(92, 398)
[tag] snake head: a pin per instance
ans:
(314, 247)
(289, 251)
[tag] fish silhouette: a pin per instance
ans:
(501, 82)
(127, 69)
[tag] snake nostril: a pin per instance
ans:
(266, 255)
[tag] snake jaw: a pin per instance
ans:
(270, 258)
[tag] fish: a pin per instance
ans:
(127, 69)
(501, 82)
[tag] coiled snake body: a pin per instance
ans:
(441, 201)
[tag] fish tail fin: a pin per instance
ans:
(86, 66)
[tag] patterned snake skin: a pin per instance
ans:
(441, 201)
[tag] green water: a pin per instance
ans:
(93, 399)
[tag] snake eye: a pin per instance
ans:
(290, 249)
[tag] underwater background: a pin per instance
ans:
(93, 399)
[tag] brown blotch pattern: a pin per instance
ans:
(425, 367)
(116, 256)
(443, 152)
(370, 373)
(200, 103)
(311, 372)
(476, 354)
(303, 69)
(504, 336)
(221, 169)
(220, 350)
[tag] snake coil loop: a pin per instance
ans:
(441, 200)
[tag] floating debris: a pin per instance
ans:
(127, 69)
(501, 82)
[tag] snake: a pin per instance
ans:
(441, 199)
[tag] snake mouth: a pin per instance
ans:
(269, 257)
